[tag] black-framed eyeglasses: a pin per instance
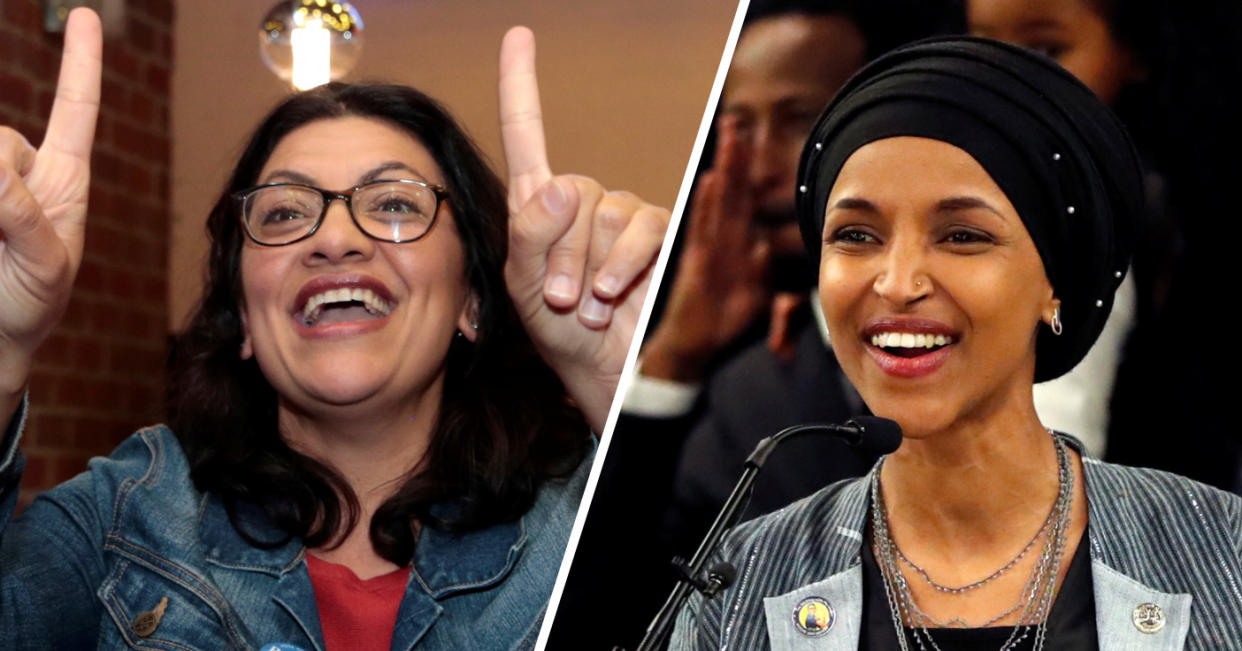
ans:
(398, 211)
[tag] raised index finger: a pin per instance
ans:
(71, 128)
(521, 121)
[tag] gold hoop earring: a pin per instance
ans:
(1056, 320)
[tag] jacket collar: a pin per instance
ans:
(444, 562)
(225, 547)
(448, 563)
(1117, 596)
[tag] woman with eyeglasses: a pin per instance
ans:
(381, 412)
(973, 207)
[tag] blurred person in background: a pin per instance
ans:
(1163, 68)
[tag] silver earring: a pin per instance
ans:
(1056, 320)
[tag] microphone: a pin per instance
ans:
(876, 435)
(869, 433)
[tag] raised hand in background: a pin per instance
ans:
(720, 287)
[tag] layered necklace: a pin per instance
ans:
(1035, 600)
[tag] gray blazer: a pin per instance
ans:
(1155, 538)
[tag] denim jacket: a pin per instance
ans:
(1166, 564)
(91, 562)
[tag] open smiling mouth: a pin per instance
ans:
(909, 345)
(343, 305)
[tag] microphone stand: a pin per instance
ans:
(721, 576)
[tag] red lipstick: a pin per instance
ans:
(915, 366)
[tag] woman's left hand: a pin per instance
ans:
(580, 257)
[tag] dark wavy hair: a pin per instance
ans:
(505, 422)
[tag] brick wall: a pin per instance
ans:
(101, 373)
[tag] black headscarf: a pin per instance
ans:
(1060, 156)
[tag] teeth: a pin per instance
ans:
(909, 340)
(373, 304)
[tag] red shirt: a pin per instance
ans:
(356, 614)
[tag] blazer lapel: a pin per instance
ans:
(796, 619)
(1134, 617)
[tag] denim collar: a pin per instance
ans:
(225, 547)
(444, 562)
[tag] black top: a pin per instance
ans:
(1071, 624)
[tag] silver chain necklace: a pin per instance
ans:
(1036, 598)
(984, 581)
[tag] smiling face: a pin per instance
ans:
(1071, 31)
(339, 321)
(931, 285)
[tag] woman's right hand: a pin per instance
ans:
(43, 196)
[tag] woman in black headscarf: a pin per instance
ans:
(972, 207)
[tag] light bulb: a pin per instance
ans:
(312, 55)
(309, 42)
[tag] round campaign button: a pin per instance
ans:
(1149, 618)
(814, 616)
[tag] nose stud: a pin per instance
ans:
(916, 289)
